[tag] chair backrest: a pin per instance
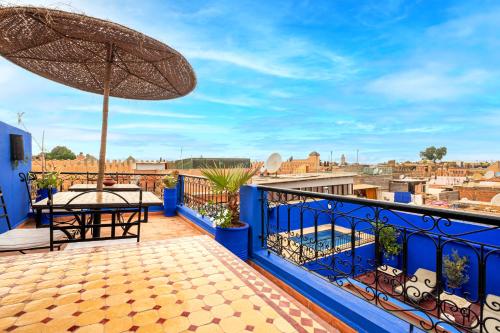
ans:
(3, 211)
(83, 206)
(27, 178)
(424, 275)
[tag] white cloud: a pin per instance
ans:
(295, 59)
(134, 111)
(235, 100)
(429, 84)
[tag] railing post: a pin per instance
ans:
(253, 212)
(439, 273)
(180, 190)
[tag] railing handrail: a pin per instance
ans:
(117, 173)
(428, 211)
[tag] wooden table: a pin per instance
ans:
(116, 187)
(91, 200)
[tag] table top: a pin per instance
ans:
(457, 300)
(100, 199)
(116, 187)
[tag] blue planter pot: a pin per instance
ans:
(169, 201)
(43, 193)
(392, 261)
(234, 239)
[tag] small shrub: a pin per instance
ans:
(455, 269)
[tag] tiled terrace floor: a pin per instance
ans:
(186, 284)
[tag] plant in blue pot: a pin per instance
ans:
(229, 230)
(455, 268)
(170, 193)
(388, 240)
(46, 181)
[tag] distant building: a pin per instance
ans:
(367, 191)
(482, 191)
(343, 160)
(310, 164)
(203, 162)
(414, 186)
(140, 166)
(340, 183)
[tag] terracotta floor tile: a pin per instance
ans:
(188, 284)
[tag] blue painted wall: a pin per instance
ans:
(15, 194)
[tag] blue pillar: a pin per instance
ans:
(251, 213)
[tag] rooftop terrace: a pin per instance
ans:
(177, 279)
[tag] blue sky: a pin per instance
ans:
(385, 77)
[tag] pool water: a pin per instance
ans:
(324, 239)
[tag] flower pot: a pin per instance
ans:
(392, 261)
(169, 201)
(43, 193)
(108, 181)
(234, 239)
(455, 290)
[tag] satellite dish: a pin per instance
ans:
(273, 163)
(495, 201)
(402, 176)
(488, 175)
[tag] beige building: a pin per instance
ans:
(310, 164)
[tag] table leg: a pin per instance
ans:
(38, 218)
(146, 210)
(97, 224)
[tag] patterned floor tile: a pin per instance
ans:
(189, 284)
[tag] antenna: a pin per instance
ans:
(273, 163)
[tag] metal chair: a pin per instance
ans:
(21, 240)
(89, 219)
(27, 178)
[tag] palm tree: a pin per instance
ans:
(229, 181)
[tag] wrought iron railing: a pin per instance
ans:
(198, 194)
(147, 182)
(406, 259)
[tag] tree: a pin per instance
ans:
(61, 153)
(89, 157)
(433, 154)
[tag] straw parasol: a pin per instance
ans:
(93, 55)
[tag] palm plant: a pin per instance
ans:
(229, 181)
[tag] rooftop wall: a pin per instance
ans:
(14, 191)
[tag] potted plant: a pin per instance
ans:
(455, 270)
(388, 240)
(46, 181)
(229, 230)
(170, 193)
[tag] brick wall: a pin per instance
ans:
(484, 194)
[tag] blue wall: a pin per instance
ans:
(14, 191)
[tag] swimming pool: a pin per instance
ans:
(324, 239)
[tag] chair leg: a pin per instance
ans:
(113, 224)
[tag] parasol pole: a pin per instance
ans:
(104, 129)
